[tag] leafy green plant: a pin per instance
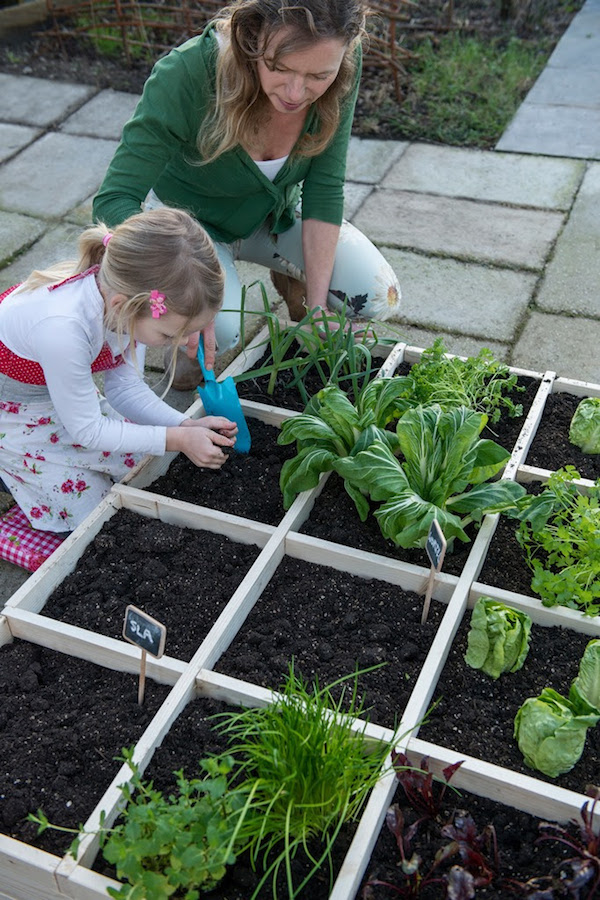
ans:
(332, 427)
(178, 844)
(551, 729)
(560, 534)
(498, 640)
(480, 382)
(323, 343)
(308, 773)
(584, 430)
(443, 456)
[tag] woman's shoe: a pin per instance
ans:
(293, 292)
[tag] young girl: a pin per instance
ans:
(155, 281)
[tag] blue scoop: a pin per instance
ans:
(220, 399)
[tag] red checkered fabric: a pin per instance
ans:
(23, 545)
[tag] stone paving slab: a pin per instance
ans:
(102, 116)
(16, 233)
(54, 174)
(547, 342)
(554, 131)
(354, 196)
(565, 87)
(476, 301)
(481, 175)
(460, 228)
(571, 281)
(57, 244)
(14, 137)
(35, 101)
(369, 160)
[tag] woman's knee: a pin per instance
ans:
(362, 278)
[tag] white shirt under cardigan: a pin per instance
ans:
(63, 330)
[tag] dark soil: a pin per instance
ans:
(551, 448)
(180, 576)
(247, 485)
(62, 723)
(47, 52)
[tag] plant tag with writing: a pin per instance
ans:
(147, 633)
(436, 550)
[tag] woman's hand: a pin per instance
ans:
(203, 440)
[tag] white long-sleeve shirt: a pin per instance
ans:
(63, 330)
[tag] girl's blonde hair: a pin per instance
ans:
(163, 250)
(248, 27)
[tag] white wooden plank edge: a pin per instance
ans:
(83, 884)
(420, 698)
(242, 601)
(413, 354)
(528, 431)
(368, 565)
(527, 474)
(559, 616)
(149, 469)
(579, 388)
(90, 646)
(267, 413)
(357, 858)
(394, 358)
(27, 873)
(35, 591)
(189, 515)
(541, 799)
(476, 557)
(242, 693)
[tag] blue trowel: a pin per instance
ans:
(220, 398)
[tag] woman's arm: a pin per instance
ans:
(319, 243)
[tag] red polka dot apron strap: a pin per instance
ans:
(29, 372)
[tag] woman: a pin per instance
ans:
(246, 126)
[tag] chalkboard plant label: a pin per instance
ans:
(435, 545)
(141, 629)
(147, 633)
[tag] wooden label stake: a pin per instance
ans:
(436, 549)
(147, 633)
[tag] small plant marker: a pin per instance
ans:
(436, 550)
(147, 633)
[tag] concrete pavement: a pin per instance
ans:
(492, 248)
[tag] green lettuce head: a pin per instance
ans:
(499, 638)
(585, 425)
(550, 734)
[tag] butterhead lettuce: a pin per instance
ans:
(498, 640)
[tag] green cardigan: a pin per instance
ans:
(230, 196)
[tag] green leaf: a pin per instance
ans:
(585, 689)
(584, 430)
(498, 639)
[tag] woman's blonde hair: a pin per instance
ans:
(163, 250)
(248, 26)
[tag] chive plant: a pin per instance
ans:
(308, 771)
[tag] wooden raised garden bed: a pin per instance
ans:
(244, 587)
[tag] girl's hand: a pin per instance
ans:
(215, 423)
(203, 446)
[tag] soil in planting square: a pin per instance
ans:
(62, 723)
(520, 858)
(334, 517)
(192, 737)
(551, 448)
(505, 565)
(247, 484)
(329, 623)
(476, 713)
(180, 576)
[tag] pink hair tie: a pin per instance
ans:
(106, 238)
(157, 304)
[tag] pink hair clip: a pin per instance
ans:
(106, 238)
(157, 304)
